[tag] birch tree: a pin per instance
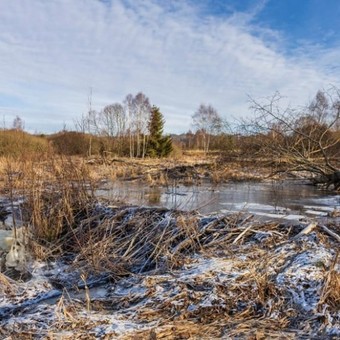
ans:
(128, 104)
(138, 110)
(113, 124)
(207, 121)
(142, 110)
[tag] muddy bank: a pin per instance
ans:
(141, 273)
(205, 169)
(187, 171)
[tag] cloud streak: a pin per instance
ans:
(52, 52)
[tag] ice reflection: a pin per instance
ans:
(264, 197)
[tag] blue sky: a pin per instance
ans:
(180, 53)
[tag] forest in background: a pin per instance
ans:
(300, 140)
(266, 272)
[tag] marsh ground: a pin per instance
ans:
(100, 269)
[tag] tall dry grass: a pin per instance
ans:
(49, 194)
(17, 144)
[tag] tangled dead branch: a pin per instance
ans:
(173, 274)
(305, 141)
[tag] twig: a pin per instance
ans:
(242, 234)
(325, 288)
(311, 226)
(330, 232)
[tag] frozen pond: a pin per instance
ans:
(266, 197)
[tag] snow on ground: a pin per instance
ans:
(262, 273)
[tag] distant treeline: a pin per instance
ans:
(306, 140)
(133, 128)
(18, 143)
(76, 143)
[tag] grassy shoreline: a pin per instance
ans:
(161, 273)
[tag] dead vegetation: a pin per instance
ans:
(185, 171)
(154, 171)
(179, 275)
(162, 273)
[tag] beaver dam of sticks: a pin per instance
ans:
(151, 273)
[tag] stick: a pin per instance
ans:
(330, 232)
(242, 234)
(311, 226)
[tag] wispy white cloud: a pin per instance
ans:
(52, 52)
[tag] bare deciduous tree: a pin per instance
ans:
(142, 109)
(18, 124)
(207, 121)
(113, 123)
(138, 111)
(306, 140)
(128, 102)
(88, 123)
(113, 119)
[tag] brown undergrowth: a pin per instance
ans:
(48, 194)
(167, 274)
(179, 275)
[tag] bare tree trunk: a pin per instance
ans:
(144, 146)
(132, 146)
(90, 146)
(207, 144)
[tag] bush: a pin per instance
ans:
(75, 143)
(17, 143)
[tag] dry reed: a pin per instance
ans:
(252, 294)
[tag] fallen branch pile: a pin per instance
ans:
(180, 275)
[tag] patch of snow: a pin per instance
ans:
(304, 276)
(211, 300)
(258, 206)
(318, 208)
(263, 214)
(293, 217)
(126, 291)
(316, 213)
(328, 201)
(205, 266)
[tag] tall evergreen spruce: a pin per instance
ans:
(158, 145)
